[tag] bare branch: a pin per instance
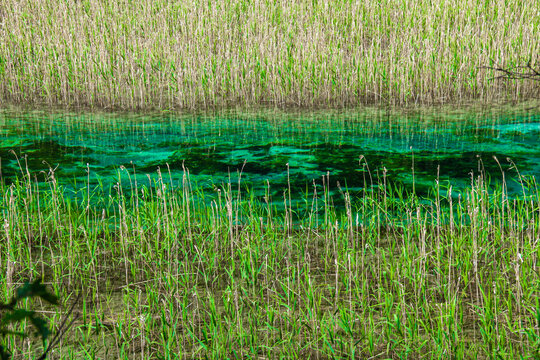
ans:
(62, 329)
(526, 72)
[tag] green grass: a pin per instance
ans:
(164, 274)
(200, 54)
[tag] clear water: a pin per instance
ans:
(273, 148)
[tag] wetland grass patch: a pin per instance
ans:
(199, 54)
(163, 273)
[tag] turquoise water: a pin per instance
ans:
(274, 149)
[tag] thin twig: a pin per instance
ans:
(527, 72)
(61, 331)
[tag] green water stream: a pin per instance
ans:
(274, 148)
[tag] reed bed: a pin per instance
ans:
(168, 272)
(202, 54)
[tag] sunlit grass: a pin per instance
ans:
(165, 274)
(193, 54)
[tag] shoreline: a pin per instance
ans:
(256, 109)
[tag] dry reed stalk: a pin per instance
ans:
(163, 54)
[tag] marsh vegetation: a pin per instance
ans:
(164, 275)
(200, 54)
(168, 269)
(272, 234)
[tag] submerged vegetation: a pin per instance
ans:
(195, 54)
(165, 271)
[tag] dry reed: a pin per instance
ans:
(198, 54)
